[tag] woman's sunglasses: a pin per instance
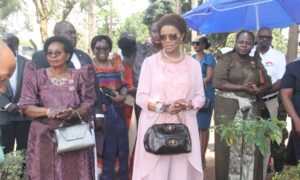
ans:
(171, 37)
(196, 43)
(55, 53)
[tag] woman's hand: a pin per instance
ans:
(66, 113)
(53, 112)
(118, 98)
(250, 88)
(177, 106)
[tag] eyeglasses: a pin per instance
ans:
(196, 43)
(171, 37)
(55, 53)
(265, 37)
(101, 49)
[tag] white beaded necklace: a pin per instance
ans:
(59, 81)
(171, 59)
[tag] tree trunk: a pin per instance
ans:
(42, 17)
(43, 28)
(178, 7)
(68, 8)
(292, 49)
(90, 23)
(110, 33)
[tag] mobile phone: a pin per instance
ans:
(106, 91)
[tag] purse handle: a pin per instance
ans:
(179, 118)
(78, 115)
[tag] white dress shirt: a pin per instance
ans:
(75, 61)
(274, 62)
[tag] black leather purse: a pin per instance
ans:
(167, 139)
(207, 104)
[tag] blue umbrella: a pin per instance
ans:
(218, 16)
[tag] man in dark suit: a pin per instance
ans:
(14, 127)
(79, 58)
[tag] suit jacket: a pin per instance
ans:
(40, 60)
(9, 97)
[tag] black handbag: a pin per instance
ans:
(168, 139)
(207, 104)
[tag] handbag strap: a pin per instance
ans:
(179, 118)
(78, 115)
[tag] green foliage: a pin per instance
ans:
(13, 166)
(231, 40)
(134, 24)
(103, 19)
(157, 9)
(8, 7)
(187, 4)
(252, 132)
(279, 41)
(290, 173)
(218, 40)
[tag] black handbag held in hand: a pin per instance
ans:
(207, 104)
(167, 139)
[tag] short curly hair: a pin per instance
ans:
(173, 20)
(101, 38)
(68, 48)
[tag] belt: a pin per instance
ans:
(270, 98)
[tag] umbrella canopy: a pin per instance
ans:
(218, 16)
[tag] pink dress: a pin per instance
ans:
(42, 160)
(164, 82)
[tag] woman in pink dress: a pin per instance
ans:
(170, 85)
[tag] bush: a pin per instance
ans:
(290, 173)
(13, 167)
(256, 132)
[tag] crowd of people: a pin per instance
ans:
(146, 84)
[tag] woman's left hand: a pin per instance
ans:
(66, 113)
(118, 98)
(177, 106)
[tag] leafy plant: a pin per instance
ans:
(290, 173)
(12, 168)
(252, 132)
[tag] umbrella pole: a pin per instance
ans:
(256, 17)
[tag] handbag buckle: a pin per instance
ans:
(172, 142)
(169, 127)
